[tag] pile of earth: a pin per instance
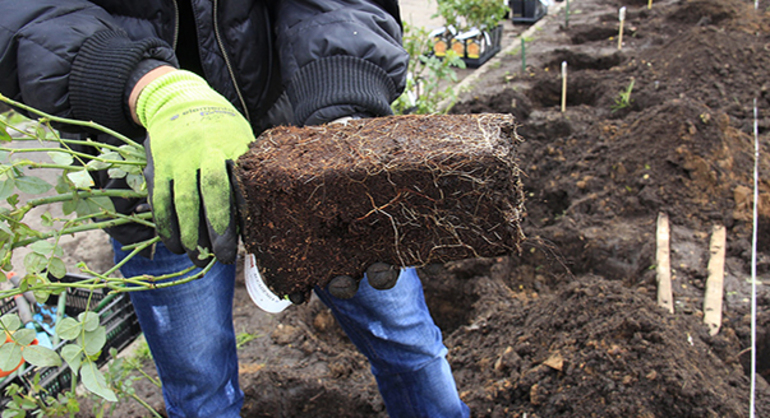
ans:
(570, 326)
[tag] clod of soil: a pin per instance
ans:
(326, 201)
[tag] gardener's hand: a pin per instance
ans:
(192, 132)
(381, 276)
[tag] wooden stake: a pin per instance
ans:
(566, 15)
(649, 4)
(622, 18)
(563, 86)
(712, 304)
(663, 260)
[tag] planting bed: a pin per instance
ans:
(570, 327)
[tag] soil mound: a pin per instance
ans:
(596, 348)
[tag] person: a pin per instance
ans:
(199, 79)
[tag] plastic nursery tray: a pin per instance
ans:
(117, 316)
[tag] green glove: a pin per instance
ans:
(192, 132)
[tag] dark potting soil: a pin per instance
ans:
(328, 201)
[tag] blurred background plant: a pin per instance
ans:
(430, 79)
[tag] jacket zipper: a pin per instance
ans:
(227, 62)
(176, 25)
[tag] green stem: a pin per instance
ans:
(137, 152)
(71, 152)
(146, 405)
(74, 122)
(82, 194)
(154, 285)
(136, 250)
(118, 285)
(87, 227)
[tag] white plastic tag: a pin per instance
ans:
(260, 294)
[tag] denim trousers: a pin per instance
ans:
(189, 329)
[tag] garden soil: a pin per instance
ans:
(569, 327)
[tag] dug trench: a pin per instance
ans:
(569, 326)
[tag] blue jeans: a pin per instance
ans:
(189, 329)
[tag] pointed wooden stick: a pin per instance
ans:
(663, 261)
(712, 304)
(563, 86)
(622, 19)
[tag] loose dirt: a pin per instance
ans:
(570, 327)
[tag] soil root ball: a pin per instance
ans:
(330, 200)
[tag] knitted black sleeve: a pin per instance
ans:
(100, 72)
(341, 82)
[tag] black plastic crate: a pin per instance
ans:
(116, 314)
(527, 11)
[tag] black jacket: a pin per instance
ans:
(299, 62)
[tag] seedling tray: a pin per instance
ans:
(117, 316)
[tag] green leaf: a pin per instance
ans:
(68, 328)
(34, 262)
(42, 247)
(10, 322)
(92, 205)
(57, 268)
(94, 341)
(40, 132)
(4, 135)
(101, 165)
(102, 202)
(24, 336)
(82, 179)
(61, 158)
(89, 319)
(42, 294)
(136, 182)
(46, 219)
(10, 356)
(6, 188)
(116, 173)
(95, 382)
(62, 186)
(32, 185)
(72, 354)
(13, 200)
(41, 356)
(12, 413)
(69, 206)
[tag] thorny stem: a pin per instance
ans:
(118, 285)
(74, 122)
(80, 194)
(146, 405)
(66, 151)
(86, 227)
